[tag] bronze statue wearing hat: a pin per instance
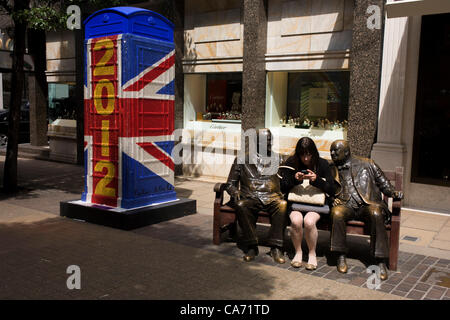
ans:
(361, 183)
(259, 190)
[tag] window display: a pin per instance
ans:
(61, 101)
(223, 97)
(317, 100)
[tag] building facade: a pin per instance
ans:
(300, 68)
(414, 116)
(327, 69)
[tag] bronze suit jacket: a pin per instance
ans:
(369, 181)
(251, 183)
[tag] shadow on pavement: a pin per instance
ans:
(39, 175)
(117, 264)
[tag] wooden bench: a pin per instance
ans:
(225, 218)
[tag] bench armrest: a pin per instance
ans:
(396, 207)
(219, 188)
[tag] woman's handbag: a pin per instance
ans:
(305, 193)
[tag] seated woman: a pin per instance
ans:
(306, 158)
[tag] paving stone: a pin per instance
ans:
(399, 293)
(394, 280)
(447, 294)
(434, 294)
(444, 261)
(411, 280)
(422, 287)
(319, 274)
(385, 287)
(358, 269)
(358, 281)
(439, 288)
(405, 287)
(429, 260)
(415, 294)
(324, 268)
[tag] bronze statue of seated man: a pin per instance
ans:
(259, 190)
(361, 183)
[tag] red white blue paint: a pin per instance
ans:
(129, 109)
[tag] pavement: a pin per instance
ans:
(176, 259)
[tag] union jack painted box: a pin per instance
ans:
(129, 108)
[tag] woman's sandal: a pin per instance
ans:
(296, 264)
(310, 266)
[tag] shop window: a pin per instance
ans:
(223, 98)
(317, 100)
(5, 92)
(430, 160)
(61, 101)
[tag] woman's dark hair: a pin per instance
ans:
(306, 146)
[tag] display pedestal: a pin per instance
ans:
(127, 219)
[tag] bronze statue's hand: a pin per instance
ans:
(398, 195)
(337, 202)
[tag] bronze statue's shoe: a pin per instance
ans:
(342, 264)
(296, 264)
(310, 266)
(277, 255)
(383, 271)
(250, 254)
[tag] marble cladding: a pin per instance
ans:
(303, 27)
(61, 65)
(365, 73)
(60, 45)
(287, 19)
(60, 55)
(305, 17)
(217, 26)
(213, 35)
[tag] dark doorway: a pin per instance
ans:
(431, 156)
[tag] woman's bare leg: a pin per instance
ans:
(311, 235)
(297, 233)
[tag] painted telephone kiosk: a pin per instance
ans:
(129, 108)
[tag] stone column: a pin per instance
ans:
(79, 89)
(389, 150)
(254, 14)
(1, 91)
(178, 21)
(38, 114)
(365, 73)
